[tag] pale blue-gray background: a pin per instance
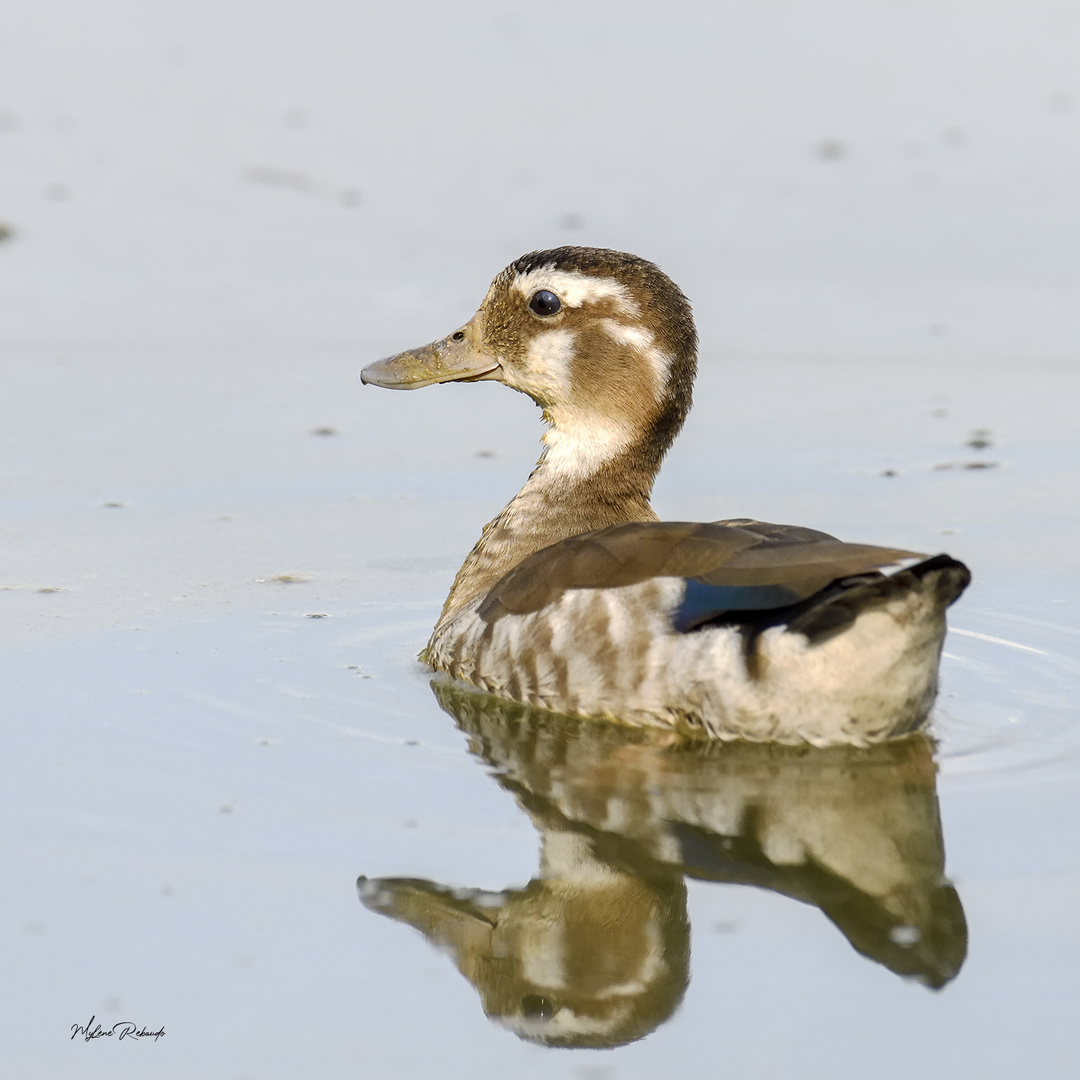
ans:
(219, 212)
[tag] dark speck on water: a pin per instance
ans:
(831, 150)
(282, 178)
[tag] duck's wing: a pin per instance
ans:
(738, 566)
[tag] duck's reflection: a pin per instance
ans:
(595, 950)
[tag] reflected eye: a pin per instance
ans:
(544, 303)
(534, 1006)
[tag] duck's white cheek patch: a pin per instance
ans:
(574, 290)
(548, 361)
(637, 336)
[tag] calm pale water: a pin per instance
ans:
(219, 555)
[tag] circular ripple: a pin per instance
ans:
(1010, 695)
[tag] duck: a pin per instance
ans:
(595, 949)
(577, 599)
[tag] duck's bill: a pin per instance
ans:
(441, 361)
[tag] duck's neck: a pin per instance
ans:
(577, 485)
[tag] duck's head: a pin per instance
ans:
(602, 341)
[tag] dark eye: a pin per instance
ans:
(534, 1006)
(544, 303)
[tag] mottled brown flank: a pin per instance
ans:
(513, 682)
(596, 626)
(538, 644)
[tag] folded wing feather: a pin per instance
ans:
(749, 565)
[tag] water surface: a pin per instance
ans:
(219, 555)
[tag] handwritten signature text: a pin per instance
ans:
(122, 1029)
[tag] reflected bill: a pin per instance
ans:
(595, 950)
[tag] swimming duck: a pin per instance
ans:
(577, 599)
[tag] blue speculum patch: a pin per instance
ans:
(703, 602)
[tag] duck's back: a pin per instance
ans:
(736, 629)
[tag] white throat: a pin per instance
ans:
(577, 445)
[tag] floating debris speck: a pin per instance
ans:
(282, 178)
(831, 150)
